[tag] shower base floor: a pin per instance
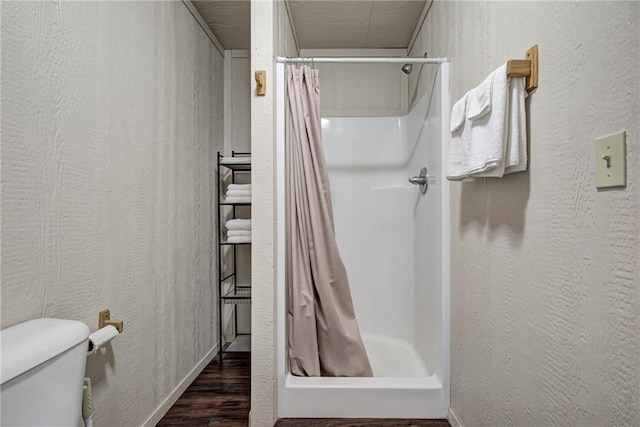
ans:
(391, 357)
(402, 387)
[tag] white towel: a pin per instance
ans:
(241, 187)
(458, 114)
(492, 140)
(239, 239)
(457, 167)
(238, 224)
(236, 160)
(237, 200)
(238, 233)
(516, 158)
(239, 193)
(486, 131)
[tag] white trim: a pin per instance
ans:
(180, 388)
(281, 328)
(446, 237)
(264, 405)
(200, 20)
(416, 31)
(453, 419)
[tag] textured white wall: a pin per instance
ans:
(111, 115)
(240, 93)
(545, 269)
(271, 35)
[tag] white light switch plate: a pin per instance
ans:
(611, 160)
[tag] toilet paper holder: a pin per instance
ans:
(104, 319)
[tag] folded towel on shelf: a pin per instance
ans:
(516, 157)
(238, 193)
(238, 233)
(239, 239)
(238, 224)
(237, 199)
(240, 187)
(235, 160)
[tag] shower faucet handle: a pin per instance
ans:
(418, 180)
(422, 180)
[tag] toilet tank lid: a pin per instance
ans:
(29, 344)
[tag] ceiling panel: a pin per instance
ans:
(330, 24)
(392, 23)
(356, 23)
(229, 20)
(337, 24)
(339, 12)
(334, 35)
(406, 12)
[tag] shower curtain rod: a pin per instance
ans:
(360, 60)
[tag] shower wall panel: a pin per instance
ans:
(390, 236)
(424, 128)
(373, 211)
(361, 90)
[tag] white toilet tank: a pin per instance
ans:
(42, 364)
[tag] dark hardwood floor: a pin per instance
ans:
(358, 422)
(221, 397)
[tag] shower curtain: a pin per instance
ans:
(323, 334)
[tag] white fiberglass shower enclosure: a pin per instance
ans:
(394, 244)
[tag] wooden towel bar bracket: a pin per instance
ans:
(527, 68)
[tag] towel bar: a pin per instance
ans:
(527, 68)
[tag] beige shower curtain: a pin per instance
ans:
(324, 339)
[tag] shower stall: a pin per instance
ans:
(394, 243)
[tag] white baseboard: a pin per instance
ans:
(180, 388)
(453, 419)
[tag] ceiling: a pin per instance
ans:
(322, 24)
(229, 20)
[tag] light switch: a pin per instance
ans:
(611, 160)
